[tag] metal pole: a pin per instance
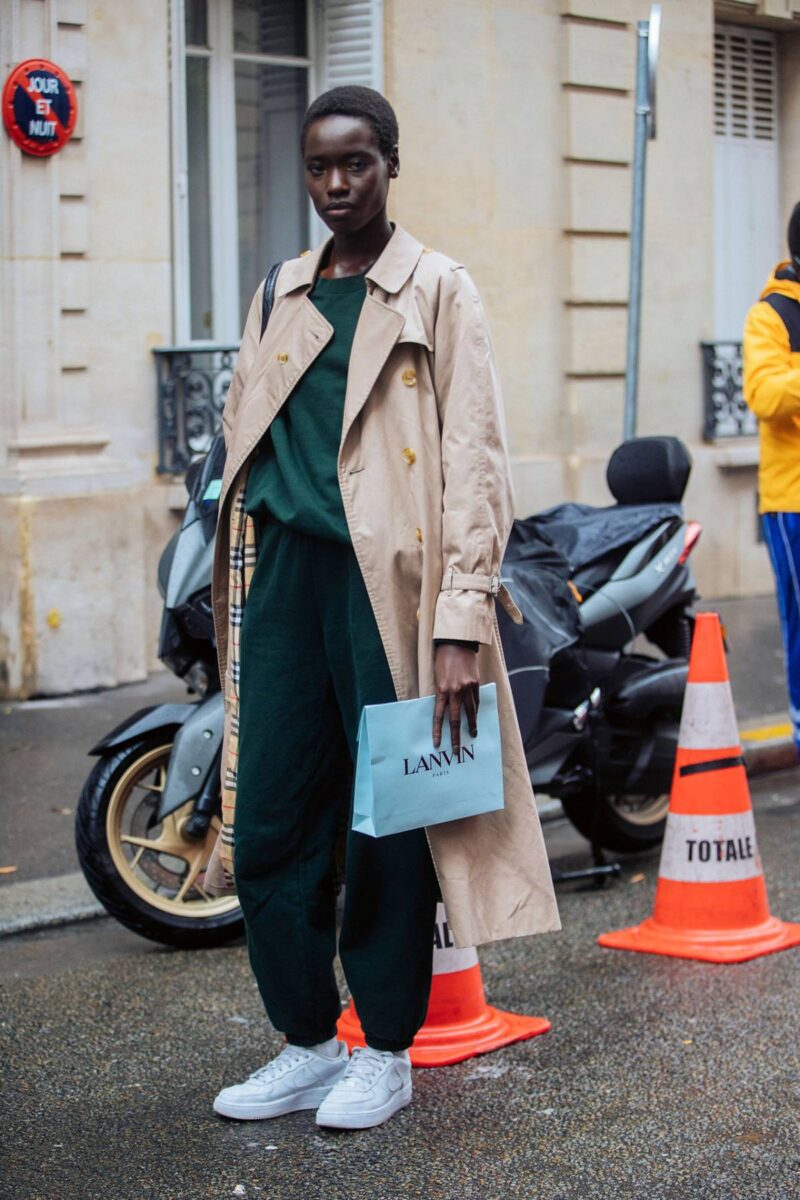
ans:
(637, 230)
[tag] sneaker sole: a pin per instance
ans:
(351, 1120)
(312, 1098)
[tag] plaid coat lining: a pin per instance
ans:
(242, 562)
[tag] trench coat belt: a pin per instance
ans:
(483, 583)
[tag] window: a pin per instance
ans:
(747, 223)
(243, 72)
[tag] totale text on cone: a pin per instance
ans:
(711, 899)
(459, 1023)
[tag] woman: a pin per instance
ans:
(367, 462)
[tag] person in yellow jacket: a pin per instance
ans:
(772, 390)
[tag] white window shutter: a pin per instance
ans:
(748, 228)
(350, 43)
(745, 83)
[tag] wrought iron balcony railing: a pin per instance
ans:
(725, 411)
(192, 382)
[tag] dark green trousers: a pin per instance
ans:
(311, 658)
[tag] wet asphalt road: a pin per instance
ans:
(661, 1079)
(44, 761)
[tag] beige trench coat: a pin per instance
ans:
(425, 481)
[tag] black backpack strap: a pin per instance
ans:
(269, 295)
(789, 312)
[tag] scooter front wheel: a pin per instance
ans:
(147, 873)
(619, 822)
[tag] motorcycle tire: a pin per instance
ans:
(132, 862)
(603, 820)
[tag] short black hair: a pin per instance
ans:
(793, 235)
(355, 101)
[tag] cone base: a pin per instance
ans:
(443, 1045)
(705, 945)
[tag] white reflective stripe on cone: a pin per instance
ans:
(710, 849)
(447, 958)
(708, 720)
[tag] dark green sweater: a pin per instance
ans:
(294, 477)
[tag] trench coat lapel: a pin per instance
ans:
(377, 331)
(379, 325)
(287, 350)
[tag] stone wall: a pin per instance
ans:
(85, 293)
(517, 160)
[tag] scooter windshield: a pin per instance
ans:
(204, 484)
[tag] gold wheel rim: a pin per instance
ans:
(148, 856)
(641, 810)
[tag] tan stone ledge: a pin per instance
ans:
(597, 233)
(573, 161)
(75, 441)
(58, 474)
(595, 303)
(176, 496)
(595, 88)
(736, 457)
(594, 374)
(571, 18)
(761, 12)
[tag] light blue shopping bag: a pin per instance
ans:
(403, 783)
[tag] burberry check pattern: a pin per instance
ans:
(242, 563)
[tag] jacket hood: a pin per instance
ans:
(783, 281)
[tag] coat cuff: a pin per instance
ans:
(465, 607)
(464, 616)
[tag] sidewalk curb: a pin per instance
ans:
(768, 744)
(764, 758)
(42, 903)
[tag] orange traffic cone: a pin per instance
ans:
(459, 1024)
(711, 900)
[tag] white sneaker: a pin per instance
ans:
(374, 1086)
(298, 1078)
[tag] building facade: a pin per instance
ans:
(149, 231)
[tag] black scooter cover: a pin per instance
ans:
(583, 533)
(537, 574)
(543, 553)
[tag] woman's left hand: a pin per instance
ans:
(455, 671)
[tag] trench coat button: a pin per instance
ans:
(419, 536)
(409, 378)
(409, 455)
(426, 250)
(283, 357)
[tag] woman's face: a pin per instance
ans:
(346, 175)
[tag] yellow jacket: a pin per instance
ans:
(771, 386)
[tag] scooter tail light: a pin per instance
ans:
(691, 538)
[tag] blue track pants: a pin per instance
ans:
(782, 534)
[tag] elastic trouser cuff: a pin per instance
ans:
(384, 1044)
(306, 1042)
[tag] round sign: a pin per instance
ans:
(39, 106)
(653, 44)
